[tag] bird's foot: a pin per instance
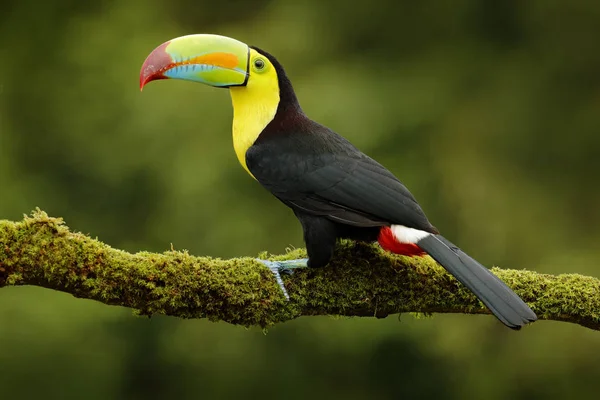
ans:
(286, 267)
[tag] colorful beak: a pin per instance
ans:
(210, 59)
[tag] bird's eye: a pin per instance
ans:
(259, 64)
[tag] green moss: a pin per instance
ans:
(362, 281)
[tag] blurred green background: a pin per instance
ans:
(488, 111)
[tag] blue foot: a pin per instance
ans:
(277, 267)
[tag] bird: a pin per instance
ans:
(335, 190)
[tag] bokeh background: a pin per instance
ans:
(488, 111)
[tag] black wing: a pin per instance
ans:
(313, 169)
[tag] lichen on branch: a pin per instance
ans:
(362, 280)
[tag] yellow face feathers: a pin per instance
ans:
(254, 105)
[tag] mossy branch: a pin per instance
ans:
(362, 281)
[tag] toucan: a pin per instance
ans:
(335, 190)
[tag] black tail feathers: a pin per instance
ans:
(499, 298)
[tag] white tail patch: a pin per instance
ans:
(404, 234)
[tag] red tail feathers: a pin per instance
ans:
(388, 242)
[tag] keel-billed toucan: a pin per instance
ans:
(334, 189)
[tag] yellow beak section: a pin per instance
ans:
(210, 59)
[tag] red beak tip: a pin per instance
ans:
(154, 65)
(143, 82)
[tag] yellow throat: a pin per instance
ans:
(254, 105)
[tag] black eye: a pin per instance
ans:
(259, 63)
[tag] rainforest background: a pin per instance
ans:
(488, 111)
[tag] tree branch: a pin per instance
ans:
(362, 281)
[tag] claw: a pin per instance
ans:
(278, 267)
(274, 268)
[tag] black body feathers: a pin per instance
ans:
(336, 191)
